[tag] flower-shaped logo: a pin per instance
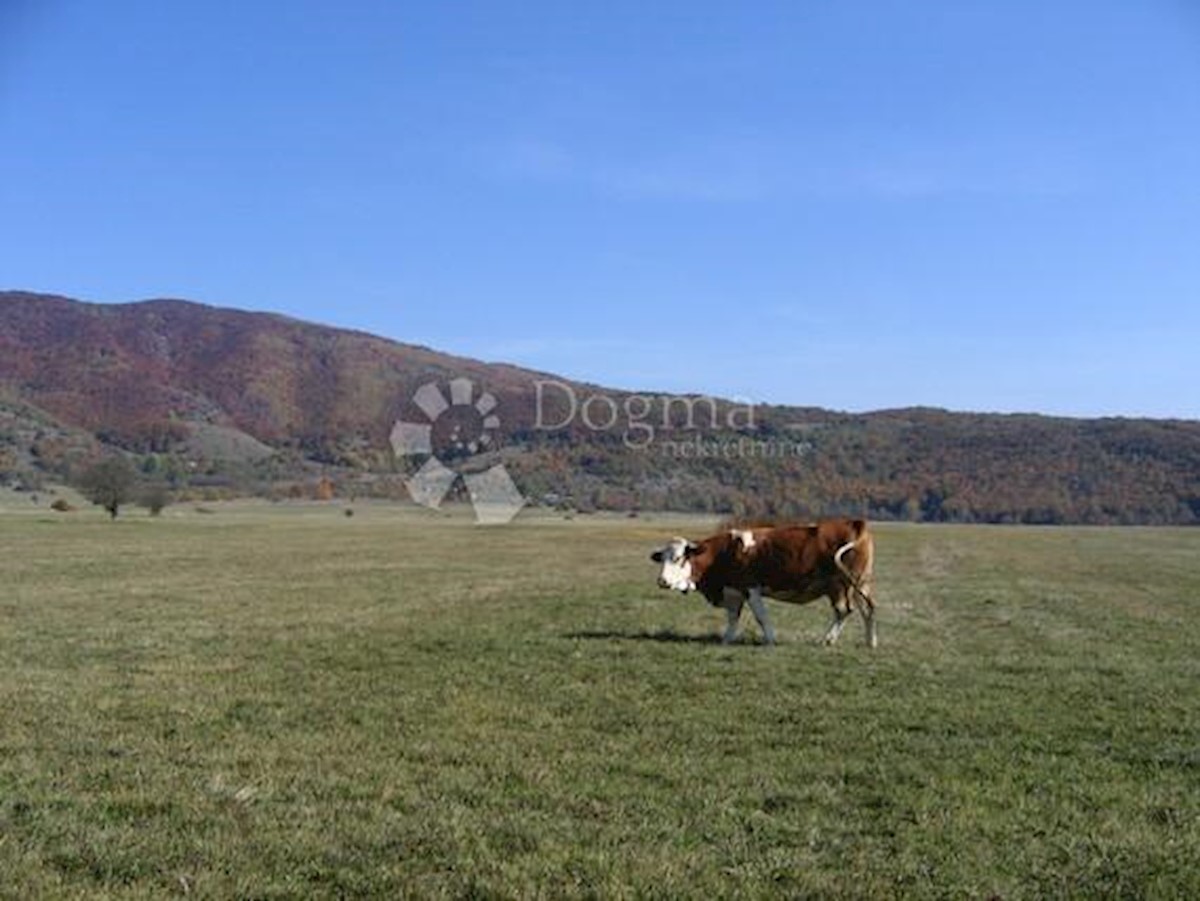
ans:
(458, 428)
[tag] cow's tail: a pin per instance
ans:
(863, 546)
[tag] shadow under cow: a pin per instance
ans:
(662, 636)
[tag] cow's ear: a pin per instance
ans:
(691, 549)
(657, 556)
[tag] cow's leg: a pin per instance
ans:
(841, 612)
(835, 627)
(867, 608)
(733, 613)
(760, 614)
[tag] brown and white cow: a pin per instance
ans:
(832, 558)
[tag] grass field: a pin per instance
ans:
(285, 702)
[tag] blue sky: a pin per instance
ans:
(857, 205)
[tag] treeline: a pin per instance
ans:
(924, 465)
(915, 465)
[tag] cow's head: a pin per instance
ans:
(676, 559)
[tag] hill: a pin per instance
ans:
(239, 401)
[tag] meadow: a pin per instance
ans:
(281, 701)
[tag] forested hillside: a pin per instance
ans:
(232, 402)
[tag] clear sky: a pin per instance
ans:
(855, 204)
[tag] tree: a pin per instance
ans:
(154, 498)
(109, 484)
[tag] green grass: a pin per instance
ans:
(283, 702)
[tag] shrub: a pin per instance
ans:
(154, 498)
(109, 484)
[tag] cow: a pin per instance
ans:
(797, 564)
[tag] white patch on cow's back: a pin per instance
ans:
(744, 537)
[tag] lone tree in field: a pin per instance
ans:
(109, 484)
(154, 498)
